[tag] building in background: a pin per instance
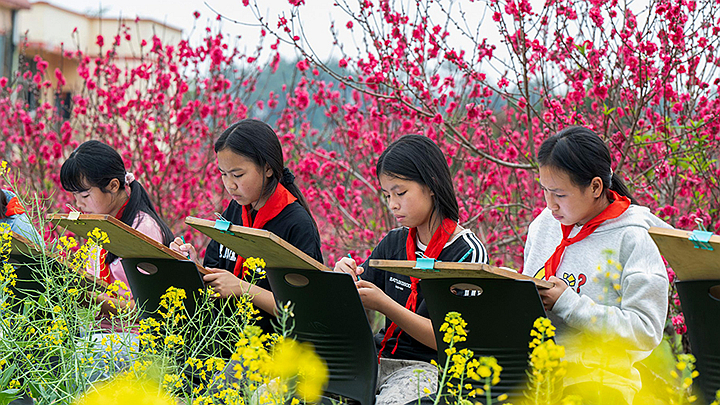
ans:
(8, 32)
(52, 31)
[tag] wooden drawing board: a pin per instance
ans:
(21, 246)
(688, 262)
(250, 242)
(125, 241)
(452, 270)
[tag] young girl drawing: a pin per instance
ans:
(592, 220)
(264, 196)
(416, 183)
(95, 174)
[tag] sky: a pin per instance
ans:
(179, 13)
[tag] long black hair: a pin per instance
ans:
(95, 164)
(3, 204)
(419, 159)
(258, 142)
(581, 154)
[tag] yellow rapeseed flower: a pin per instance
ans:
(296, 361)
(454, 328)
(126, 391)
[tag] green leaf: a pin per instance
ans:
(581, 48)
(8, 396)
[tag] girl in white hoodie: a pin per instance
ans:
(592, 222)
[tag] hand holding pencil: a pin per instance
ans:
(348, 265)
(185, 249)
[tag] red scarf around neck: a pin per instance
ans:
(614, 210)
(14, 207)
(277, 202)
(434, 248)
(104, 267)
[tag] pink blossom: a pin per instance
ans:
(302, 65)
(59, 77)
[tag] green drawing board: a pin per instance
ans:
(125, 241)
(687, 261)
(250, 242)
(453, 270)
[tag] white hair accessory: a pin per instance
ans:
(129, 178)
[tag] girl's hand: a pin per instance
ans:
(372, 297)
(110, 305)
(348, 265)
(550, 295)
(224, 283)
(184, 249)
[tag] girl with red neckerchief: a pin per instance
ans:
(264, 196)
(418, 188)
(592, 222)
(95, 174)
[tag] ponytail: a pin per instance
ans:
(288, 181)
(581, 154)
(617, 185)
(3, 204)
(139, 201)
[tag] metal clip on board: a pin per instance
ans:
(74, 214)
(222, 224)
(700, 238)
(425, 263)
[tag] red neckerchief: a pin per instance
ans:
(436, 245)
(614, 210)
(277, 202)
(104, 267)
(14, 207)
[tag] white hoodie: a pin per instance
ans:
(626, 310)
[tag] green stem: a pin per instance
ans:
(488, 391)
(442, 382)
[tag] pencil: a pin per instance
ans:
(183, 241)
(466, 255)
(357, 276)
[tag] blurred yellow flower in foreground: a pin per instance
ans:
(298, 361)
(126, 391)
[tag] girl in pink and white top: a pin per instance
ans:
(96, 176)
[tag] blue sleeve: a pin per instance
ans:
(22, 226)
